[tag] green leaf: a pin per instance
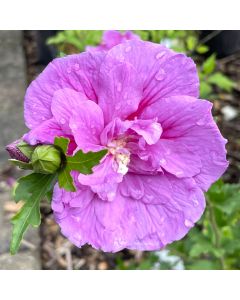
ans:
(204, 264)
(209, 65)
(84, 162)
(65, 180)
(191, 43)
(31, 189)
(222, 81)
(80, 161)
(21, 164)
(205, 89)
(201, 49)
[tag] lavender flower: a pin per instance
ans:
(138, 100)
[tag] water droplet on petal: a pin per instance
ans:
(111, 196)
(195, 202)
(160, 75)
(74, 126)
(62, 121)
(129, 102)
(168, 151)
(118, 106)
(137, 194)
(161, 220)
(68, 70)
(76, 67)
(43, 118)
(188, 223)
(119, 87)
(128, 48)
(160, 54)
(179, 173)
(201, 122)
(163, 161)
(125, 95)
(150, 197)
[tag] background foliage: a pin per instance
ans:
(214, 243)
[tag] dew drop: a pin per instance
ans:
(163, 161)
(178, 173)
(76, 67)
(125, 95)
(200, 122)
(129, 102)
(111, 196)
(74, 126)
(62, 121)
(168, 151)
(161, 220)
(119, 87)
(128, 49)
(160, 54)
(137, 194)
(43, 118)
(160, 75)
(118, 106)
(188, 223)
(150, 197)
(68, 70)
(195, 203)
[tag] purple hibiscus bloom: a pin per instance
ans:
(112, 38)
(138, 100)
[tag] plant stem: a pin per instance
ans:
(216, 232)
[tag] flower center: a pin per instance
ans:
(121, 154)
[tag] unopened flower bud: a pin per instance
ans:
(46, 159)
(20, 150)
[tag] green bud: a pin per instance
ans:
(46, 159)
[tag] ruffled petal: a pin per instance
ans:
(163, 72)
(120, 91)
(112, 38)
(86, 124)
(104, 179)
(189, 123)
(163, 210)
(44, 133)
(174, 157)
(64, 103)
(150, 130)
(77, 72)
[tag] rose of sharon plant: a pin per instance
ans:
(139, 101)
(112, 38)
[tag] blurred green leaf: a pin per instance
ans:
(191, 43)
(209, 64)
(205, 89)
(201, 49)
(204, 264)
(222, 81)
